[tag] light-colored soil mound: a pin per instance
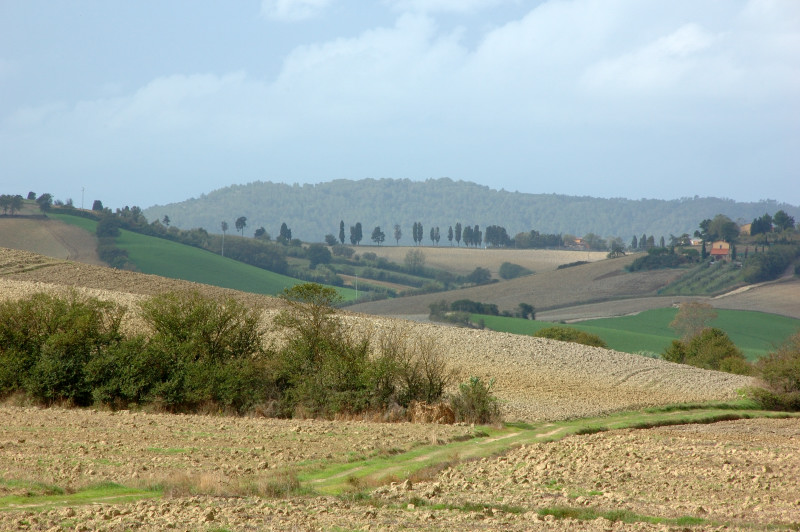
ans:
(779, 297)
(49, 237)
(36, 272)
(539, 379)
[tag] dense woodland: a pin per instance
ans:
(313, 211)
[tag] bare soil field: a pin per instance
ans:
(741, 474)
(599, 281)
(743, 469)
(462, 260)
(49, 237)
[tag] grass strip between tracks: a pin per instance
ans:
(40, 497)
(425, 461)
(420, 463)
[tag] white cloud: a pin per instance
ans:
(660, 65)
(451, 6)
(293, 10)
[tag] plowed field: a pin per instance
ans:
(735, 473)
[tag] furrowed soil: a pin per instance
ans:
(738, 473)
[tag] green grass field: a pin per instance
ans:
(755, 333)
(178, 261)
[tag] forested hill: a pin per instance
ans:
(312, 211)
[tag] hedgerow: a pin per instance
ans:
(197, 353)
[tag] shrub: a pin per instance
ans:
(761, 267)
(779, 373)
(322, 369)
(474, 402)
(710, 349)
(509, 270)
(199, 347)
(568, 334)
(47, 341)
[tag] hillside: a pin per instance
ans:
(535, 378)
(139, 470)
(598, 281)
(49, 237)
(312, 211)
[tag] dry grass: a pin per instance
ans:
(462, 261)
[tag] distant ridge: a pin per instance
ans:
(314, 210)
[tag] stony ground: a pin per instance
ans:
(744, 471)
(737, 473)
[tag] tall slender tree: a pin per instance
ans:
(224, 227)
(458, 233)
(341, 231)
(398, 233)
(450, 235)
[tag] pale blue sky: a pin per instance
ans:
(151, 102)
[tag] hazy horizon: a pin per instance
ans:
(151, 103)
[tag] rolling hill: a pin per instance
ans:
(312, 211)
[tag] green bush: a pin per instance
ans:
(568, 334)
(761, 267)
(710, 349)
(200, 353)
(200, 345)
(47, 341)
(780, 377)
(474, 402)
(509, 270)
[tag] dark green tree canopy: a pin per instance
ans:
(378, 236)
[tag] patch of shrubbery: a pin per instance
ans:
(572, 264)
(569, 334)
(658, 258)
(474, 402)
(761, 267)
(200, 354)
(711, 348)
(509, 270)
(779, 373)
(46, 343)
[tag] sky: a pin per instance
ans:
(157, 101)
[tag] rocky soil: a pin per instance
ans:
(737, 473)
(734, 472)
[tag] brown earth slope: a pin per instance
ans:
(49, 237)
(535, 378)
